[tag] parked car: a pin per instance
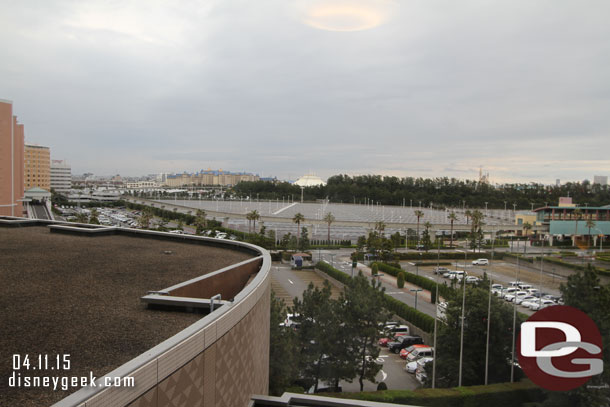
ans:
(525, 286)
(496, 289)
(519, 300)
(405, 352)
(420, 353)
(420, 376)
(508, 291)
(440, 270)
(456, 275)
(480, 262)
(421, 363)
(384, 341)
(540, 304)
(511, 297)
(404, 342)
(472, 280)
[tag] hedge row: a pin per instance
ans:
(432, 255)
(419, 319)
(333, 272)
(497, 395)
(423, 321)
(420, 281)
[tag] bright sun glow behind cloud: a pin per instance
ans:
(337, 15)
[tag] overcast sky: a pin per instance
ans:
(283, 88)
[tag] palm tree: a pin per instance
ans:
(419, 214)
(93, 218)
(527, 227)
(329, 218)
(254, 215)
(82, 217)
(380, 227)
(590, 224)
(578, 216)
(468, 215)
(298, 218)
(452, 218)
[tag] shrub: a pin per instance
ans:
(400, 280)
(382, 386)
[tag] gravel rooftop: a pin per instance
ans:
(78, 295)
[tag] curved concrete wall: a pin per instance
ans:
(221, 360)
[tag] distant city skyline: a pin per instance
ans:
(424, 89)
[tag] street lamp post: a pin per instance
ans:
(462, 328)
(415, 290)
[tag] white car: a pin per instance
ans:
(420, 375)
(511, 297)
(542, 304)
(508, 291)
(472, 280)
(520, 300)
(456, 275)
(480, 262)
(418, 364)
(496, 289)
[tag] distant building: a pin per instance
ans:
(141, 185)
(566, 202)
(37, 162)
(557, 182)
(600, 179)
(309, 181)
(11, 161)
(61, 176)
(209, 177)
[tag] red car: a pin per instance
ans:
(405, 352)
(384, 341)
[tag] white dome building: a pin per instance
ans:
(309, 181)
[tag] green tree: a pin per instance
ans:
(361, 243)
(452, 218)
(426, 236)
(145, 218)
(400, 279)
(526, 228)
(93, 217)
(298, 218)
(82, 217)
(303, 242)
(329, 218)
(180, 225)
(253, 216)
(362, 312)
(200, 222)
(419, 214)
(282, 357)
(584, 291)
(475, 336)
(319, 334)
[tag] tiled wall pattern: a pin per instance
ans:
(228, 372)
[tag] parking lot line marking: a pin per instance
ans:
(290, 281)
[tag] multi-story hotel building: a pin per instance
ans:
(61, 176)
(209, 177)
(37, 162)
(11, 161)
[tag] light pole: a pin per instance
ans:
(462, 328)
(489, 314)
(415, 290)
